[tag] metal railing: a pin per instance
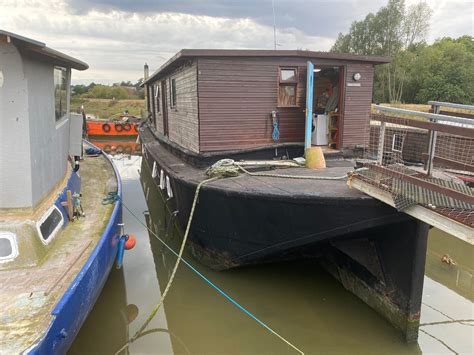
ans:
(438, 104)
(460, 131)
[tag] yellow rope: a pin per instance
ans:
(170, 281)
(223, 168)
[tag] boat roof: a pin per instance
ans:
(193, 53)
(37, 48)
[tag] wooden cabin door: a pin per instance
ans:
(165, 107)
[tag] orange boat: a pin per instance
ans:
(124, 126)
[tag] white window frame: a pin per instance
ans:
(55, 230)
(394, 138)
(13, 242)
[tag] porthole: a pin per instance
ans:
(8, 247)
(49, 225)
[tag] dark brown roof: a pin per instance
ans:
(192, 53)
(39, 49)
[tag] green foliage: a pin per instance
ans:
(443, 71)
(118, 91)
(108, 92)
(419, 72)
(392, 31)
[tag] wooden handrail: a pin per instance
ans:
(439, 127)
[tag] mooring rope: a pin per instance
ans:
(180, 255)
(230, 168)
(180, 258)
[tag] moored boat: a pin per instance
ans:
(123, 125)
(58, 239)
(249, 106)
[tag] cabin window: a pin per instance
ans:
(397, 142)
(149, 94)
(49, 224)
(8, 247)
(157, 97)
(173, 92)
(60, 92)
(287, 88)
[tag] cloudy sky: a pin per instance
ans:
(116, 37)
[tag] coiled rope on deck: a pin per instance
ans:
(230, 168)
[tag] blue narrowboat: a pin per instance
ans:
(60, 212)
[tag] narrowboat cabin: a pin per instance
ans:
(58, 241)
(211, 101)
(261, 109)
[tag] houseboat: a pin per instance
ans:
(58, 238)
(262, 109)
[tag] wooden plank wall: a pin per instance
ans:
(236, 98)
(226, 103)
(183, 121)
(237, 95)
(357, 105)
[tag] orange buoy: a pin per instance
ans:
(130, 242)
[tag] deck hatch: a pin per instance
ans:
(8, 247)
(49, 224)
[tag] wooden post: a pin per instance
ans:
(381, 143)
(70, 211)
(432, 144)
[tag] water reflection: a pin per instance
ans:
(297, 299)
(112, 314)
(118, 145)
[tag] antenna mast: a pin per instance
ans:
(274, 27)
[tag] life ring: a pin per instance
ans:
(127, 127)
(118, 127)
(106, 127)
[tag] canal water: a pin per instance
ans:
(299, 300)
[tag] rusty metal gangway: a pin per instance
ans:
(422, 164)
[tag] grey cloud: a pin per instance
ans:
(314, 17)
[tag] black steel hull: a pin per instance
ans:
(376, 252)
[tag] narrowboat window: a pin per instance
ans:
(173, 92)
(49, 224)
(149, 93)
(60, 92)
(8, 246)
(288, 75)
(157, 97)
(287, 88)
(397, 142)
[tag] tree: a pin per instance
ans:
(390, 31)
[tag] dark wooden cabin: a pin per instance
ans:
(209, 101)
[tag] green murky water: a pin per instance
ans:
(298, 299)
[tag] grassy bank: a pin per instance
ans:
(104, 108)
